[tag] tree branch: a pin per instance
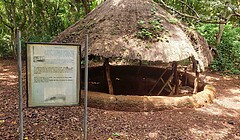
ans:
(23, 22)
(182, 14)
(235, 12)
(32, 15)
(197, 17)
(189, 7)
(13, 12)
(56, 9)
(31, 20)
(8, 10)
(9, 25)
(212, 22)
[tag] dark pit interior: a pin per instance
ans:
(136, 80)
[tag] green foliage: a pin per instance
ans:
(5, 47)
(116, 134)
(149, 30)
(38, 20)
(145, 34)
(204, 11)
(228, 50)
(172, 20)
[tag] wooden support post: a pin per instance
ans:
(194, 64)
(185, 78)
(196, 83)
(175, 77)
(108, 76)
(196, 79)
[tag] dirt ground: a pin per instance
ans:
(217, 121)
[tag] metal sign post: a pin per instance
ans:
(20, 85)
(86, 87)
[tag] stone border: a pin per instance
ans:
(149, 103)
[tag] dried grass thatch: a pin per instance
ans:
(114, 29)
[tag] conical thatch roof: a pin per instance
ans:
(134, 29)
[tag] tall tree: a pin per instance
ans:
(14, 16)
(39, 20)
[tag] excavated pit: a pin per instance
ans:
(136, 88)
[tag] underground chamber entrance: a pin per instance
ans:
(137, 88)
(140, 81)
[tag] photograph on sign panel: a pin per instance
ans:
(52, 95)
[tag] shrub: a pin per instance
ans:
(228, 61)
(5, 47)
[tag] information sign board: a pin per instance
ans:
(53, 74)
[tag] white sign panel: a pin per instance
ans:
(53, 74)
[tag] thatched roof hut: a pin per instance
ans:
(137, 29)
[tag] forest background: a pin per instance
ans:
(40, 20)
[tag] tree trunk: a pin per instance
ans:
(13, 43)
(43, 15)
(221, 26)
(220, 33)
(86, 6)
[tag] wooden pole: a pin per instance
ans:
(175, 77)
(196, 79)
(185, 78)
(108, 76)
(194, 64)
